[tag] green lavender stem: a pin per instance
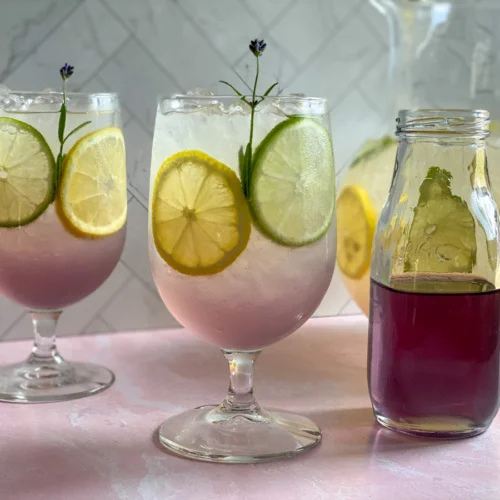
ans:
(250, 141)
(62, 138)
(62, 126)
(254, 104)
(257, 48)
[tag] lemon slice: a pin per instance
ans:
(27, 173)
(292, 188)
(356, 222)
(200, 217)
(93, 189)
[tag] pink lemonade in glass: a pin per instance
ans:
(44, 266)
(62, 226)
(265, 295)
(241, 254)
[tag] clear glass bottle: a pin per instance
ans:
(434, 351)
(441, 54)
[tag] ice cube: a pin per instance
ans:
(188, 103)
(49, 97)
(4, 95)
(239, 107)
(298, 103)
(272, 107)
(12, 102)
(47, 100)
(199, 92)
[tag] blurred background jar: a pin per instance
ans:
(442, 54)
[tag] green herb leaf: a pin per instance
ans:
(257, 48)
(58, 171)
(62, 121)
(242, 166)
(232, 87)
(268, 91)
(75, 130)
(238, 93)
(245, 167)
(248, 168)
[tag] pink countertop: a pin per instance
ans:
(104, 447)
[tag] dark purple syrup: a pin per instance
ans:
(434, 354)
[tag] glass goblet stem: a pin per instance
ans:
(44, 347)
(240, 398)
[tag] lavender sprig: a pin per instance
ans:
(257, 48)
(66, 71)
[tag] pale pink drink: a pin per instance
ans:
(44, 266)
(241, 258)
(48, 262)
(265, 295)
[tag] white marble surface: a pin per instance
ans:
(331, 48)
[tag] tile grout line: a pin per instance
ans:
(136, 194)
(272, 25)
(141, 124)
(193, 23)
(252, 12)
(320, 49)
(106, 61)
(133, 116)
(13, 324)
(106, 323)
(108, 301)
(123, 107)
(367, 20)
(140, 278)
(143, 46)
(133, 37)
(368, 100)
(15, 319)
(8, 71)
(109, 328)
(354, 83)
(343, 307)
(266, 30)
(284, 51)
(310, 60)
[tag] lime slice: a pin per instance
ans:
(27, 173)
(292, 188)
(373, 148)
(442, 236)
(356, 221)
(200, 217)
(93, 191)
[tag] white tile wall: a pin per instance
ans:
(334, 48)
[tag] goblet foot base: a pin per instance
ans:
(39, 382)
(210, 434)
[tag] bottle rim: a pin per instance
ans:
(458, 122)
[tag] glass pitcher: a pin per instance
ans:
(434, 335)
(442, 54)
